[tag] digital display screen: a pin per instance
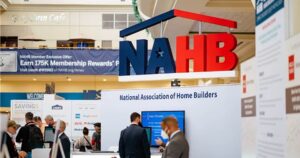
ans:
(153, 119)
(148, 131)
(49, 135)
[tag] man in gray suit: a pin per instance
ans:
(177, 147)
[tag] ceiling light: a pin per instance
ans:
(104, 80)
(253, 3)
(209, 82)
(68, 78)
(34, 79)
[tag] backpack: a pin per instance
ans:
(35, 137)
(83, 147)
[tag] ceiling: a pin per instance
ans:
(82, 79)
(245, 22)
(72, 2)
(58, 78)
(4, 4)
(241, 11)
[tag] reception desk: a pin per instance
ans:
(38, 153)
(104, 155)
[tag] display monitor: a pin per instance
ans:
(149, 133)
(153, 119)
(49, 135)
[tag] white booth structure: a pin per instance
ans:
(212, 116)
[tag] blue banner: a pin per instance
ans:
(266, 8)
(50, 61)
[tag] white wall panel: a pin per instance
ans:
(86, 20)
(62, 25)
(74, 18)
(213, 125)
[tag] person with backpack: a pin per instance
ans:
(84, 142)
(30, 135)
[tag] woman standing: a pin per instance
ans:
(85, 141)
(39, 123)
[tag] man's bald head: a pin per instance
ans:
(170, 122)
(62, 125)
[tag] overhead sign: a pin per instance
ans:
(267, 8)
(206, 53)
(50, 61)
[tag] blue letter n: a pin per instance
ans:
(137, 58)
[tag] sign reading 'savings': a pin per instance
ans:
(206, 52)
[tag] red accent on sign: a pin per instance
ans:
(291, 67)
(206, 53)
(184, 54)
(215, 52)
(244, 84)
(205, 18)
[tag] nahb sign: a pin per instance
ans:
(206, 52)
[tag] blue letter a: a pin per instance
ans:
(137, 58)
(161, 57)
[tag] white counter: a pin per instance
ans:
(103, 155)
(38, 153)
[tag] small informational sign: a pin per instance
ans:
(8, 61)
(20, 107)
(293, 96)
(248, 108)
(271, 78)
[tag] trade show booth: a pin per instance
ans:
(208, 115)
(221, 76)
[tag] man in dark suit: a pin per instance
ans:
(177, 147)
(30, 136)
(65, 142)
(133, 140)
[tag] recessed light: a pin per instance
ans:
(34, 79)
(104, 80)
(69, 79)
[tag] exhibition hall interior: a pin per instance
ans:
(149, 79)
